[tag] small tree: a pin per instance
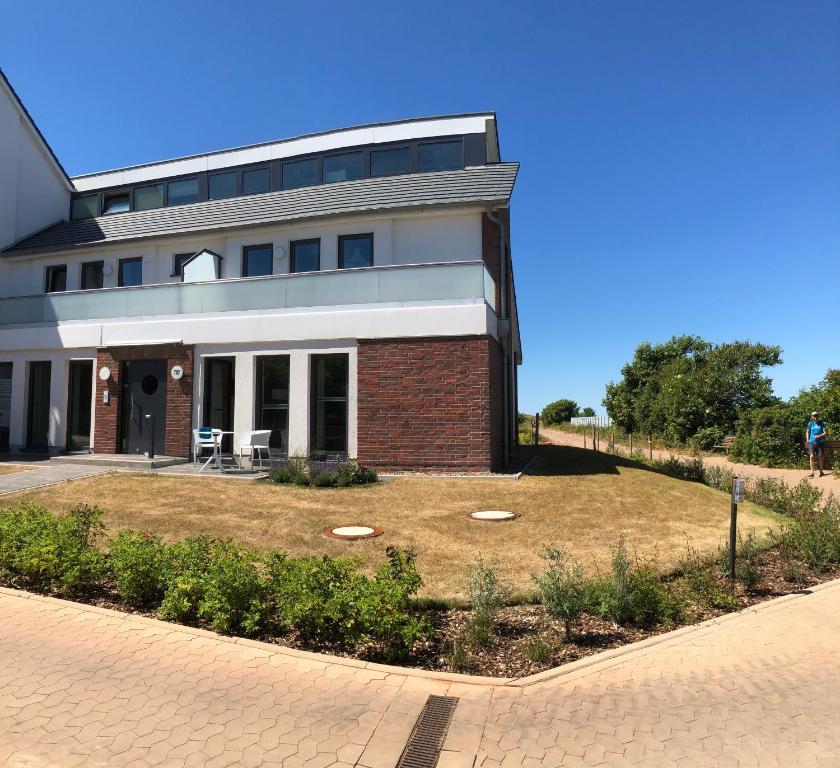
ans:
(562, 587)
(587, 411)
(559, 411)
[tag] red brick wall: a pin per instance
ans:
(178, 396)
(426, 404)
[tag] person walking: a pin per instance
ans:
(815, 434)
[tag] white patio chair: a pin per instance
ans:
(255, 442)
(203, 437)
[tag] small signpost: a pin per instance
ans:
(738, 485)
(537, 428)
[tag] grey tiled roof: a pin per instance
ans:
(481, 184)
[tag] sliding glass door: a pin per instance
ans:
(272, 411)
(219, 396)
(38, 409)
(328, 402)
(79, 395)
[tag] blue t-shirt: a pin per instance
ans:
(814, 428)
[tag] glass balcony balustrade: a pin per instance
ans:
(448, 281)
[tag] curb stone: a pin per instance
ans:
(581, 667)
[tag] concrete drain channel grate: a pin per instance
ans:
(426, 740)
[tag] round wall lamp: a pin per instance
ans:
(279, 253)
(177, 372)
(104, 373)
(107, 269)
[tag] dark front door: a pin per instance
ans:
(5, 404)
(38, 410)
(143, 404)
(78, 405)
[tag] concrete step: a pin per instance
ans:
(124, 460)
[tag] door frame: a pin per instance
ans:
(29, 406)
(72, 403)
(125, 398)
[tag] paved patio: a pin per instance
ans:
(86, 686)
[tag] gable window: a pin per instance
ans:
(440, 156)
(130, 272)
(355, 251)
(178, 263)
(344, 167)
(221, 185)
(84, 207)
(115, 202)
(56, 279)
(300, 173)
(182, 192)
(390, 162)
(257, 260)
(91, 275)
(305, 255)
(254, 182)
(146, 198)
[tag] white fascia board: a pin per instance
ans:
(415, 129)
(456, 318)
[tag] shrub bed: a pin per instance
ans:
(318, 473)
(330, 604)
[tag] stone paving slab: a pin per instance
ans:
(46, 472)
(91, 687)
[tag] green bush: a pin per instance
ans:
(559, 411)
(707, 438)
(320, 474)
(385, 611)
(814, 538)
(718, 477)
(633, 593)
(487, 595)
(294, 472)
(769, 436)
(185, 574)
(329, 599)
(137, 562)
(562, 587)
(234, 595)
(49, 553)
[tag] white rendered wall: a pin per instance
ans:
(409, 238)
(59, 382)
(33, 192)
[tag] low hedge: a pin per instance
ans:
(217, 583)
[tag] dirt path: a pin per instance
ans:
(828, 484)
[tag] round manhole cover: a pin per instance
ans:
(493, 515)
(353, 532)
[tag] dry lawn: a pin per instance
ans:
(574, 497)
(8, 469)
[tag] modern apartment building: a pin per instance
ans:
(352, 291)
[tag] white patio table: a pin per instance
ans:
(217, 451)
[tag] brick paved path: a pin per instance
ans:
(84, 686)
(46, 472)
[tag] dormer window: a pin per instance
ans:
(182, 192)
(115, 202)
(146, 198)
(344, 167)
(56, 279)
(255, 181)
(390, 162)
(440, 156)
(84, 207)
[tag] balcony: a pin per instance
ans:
(450, 281)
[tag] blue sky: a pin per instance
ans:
(680, 160)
